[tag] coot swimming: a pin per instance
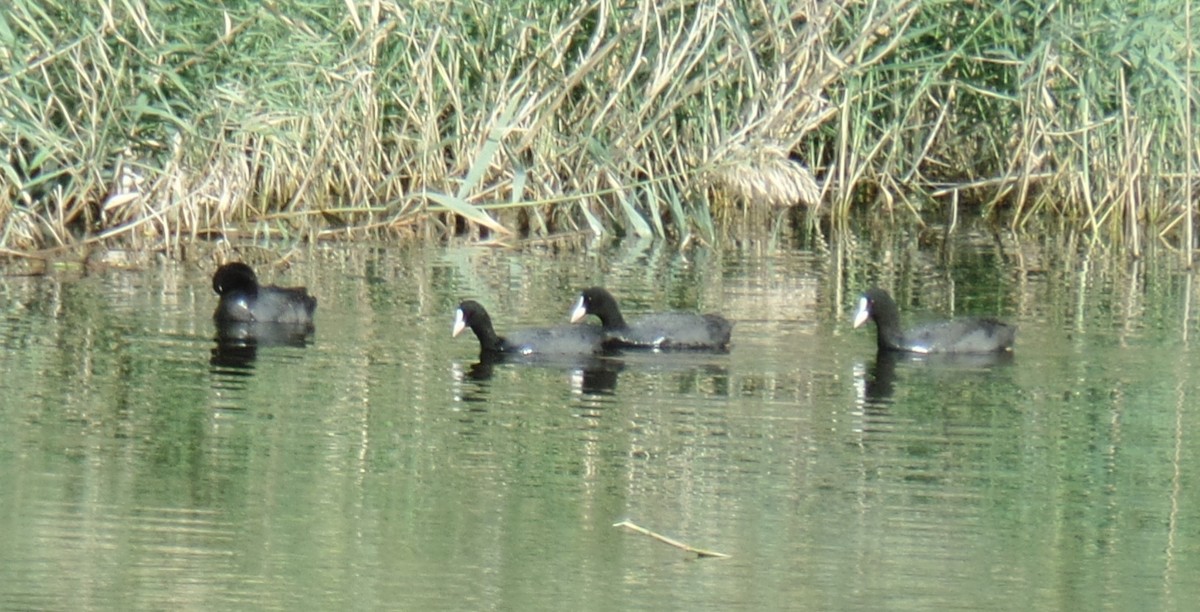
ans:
(967, 335)
(561, 340)
(668, 330)
(243, 300)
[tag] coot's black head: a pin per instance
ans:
(235, 276)
(473, 315)
(470, 314)
(598, 301)
(876, 304)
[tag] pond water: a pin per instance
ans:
(378, 465)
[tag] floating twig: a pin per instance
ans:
(676, 543)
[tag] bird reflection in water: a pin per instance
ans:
(237, 343)
(589, 375)
(879, 382)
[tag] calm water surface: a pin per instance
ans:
(378, 465)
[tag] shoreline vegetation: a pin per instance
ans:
(151, 123)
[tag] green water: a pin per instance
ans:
(379, 467)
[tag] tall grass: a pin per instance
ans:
(1073, 109)
(155, 122)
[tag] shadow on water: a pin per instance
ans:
(237, 343)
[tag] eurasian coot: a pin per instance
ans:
(561, 340)
(243, 300)
(668, 330)
(968, 335)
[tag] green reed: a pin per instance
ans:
(154, 122)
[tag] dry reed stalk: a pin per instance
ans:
(700, 552)
(766, 176)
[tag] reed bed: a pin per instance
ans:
(153, 123)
